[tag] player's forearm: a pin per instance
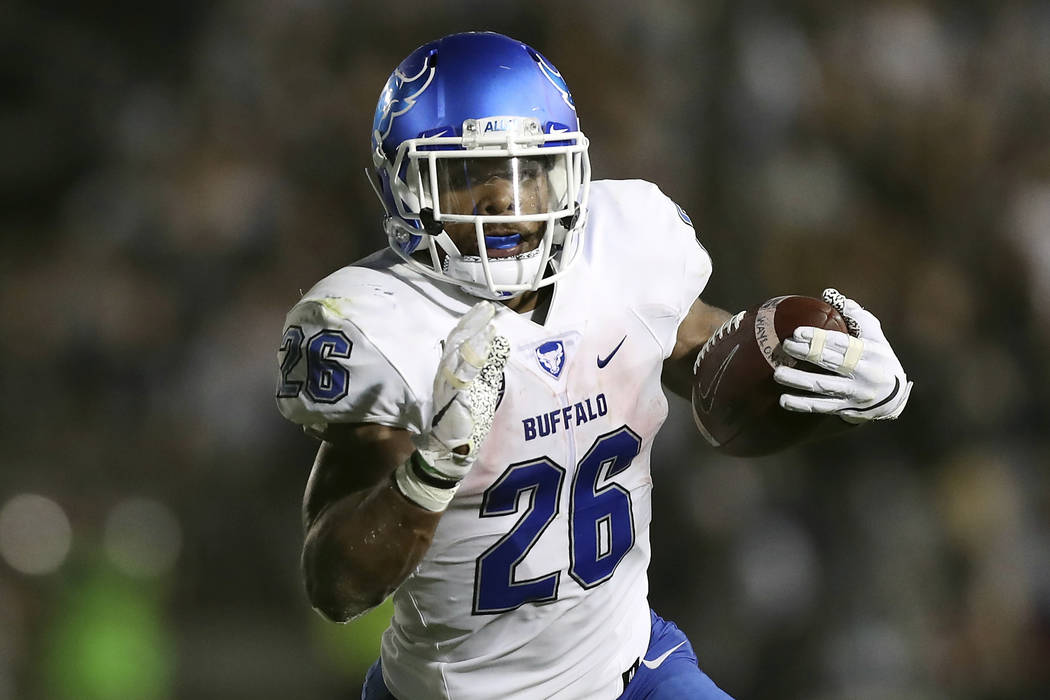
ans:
(360, 549)
(699, 324)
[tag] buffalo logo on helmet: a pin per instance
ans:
(400, 96)
(552, 74)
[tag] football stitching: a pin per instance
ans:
(729, 326)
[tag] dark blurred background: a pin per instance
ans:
(173, 175)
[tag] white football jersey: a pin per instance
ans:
(535, 584)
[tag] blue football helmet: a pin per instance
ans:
(477, 134)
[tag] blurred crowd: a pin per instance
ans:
(174, 175)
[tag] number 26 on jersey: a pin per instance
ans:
(327, 381)
(601, 523)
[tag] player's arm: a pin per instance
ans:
(377, 493)
(699, 324)
(363, 536)
(868, 382)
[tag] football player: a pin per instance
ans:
(488, 387)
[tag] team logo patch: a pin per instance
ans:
(551, 356)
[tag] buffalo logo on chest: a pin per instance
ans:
(551, 356)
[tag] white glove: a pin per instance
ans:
(869, 382)
(466, 390)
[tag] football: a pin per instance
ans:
(735, 399)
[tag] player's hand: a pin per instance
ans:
(466, 390)
(868, 383)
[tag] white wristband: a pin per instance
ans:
(431, 496)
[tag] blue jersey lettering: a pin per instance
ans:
(568, 416)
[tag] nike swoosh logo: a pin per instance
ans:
(605, 361)
(655, 663)
(707, 396)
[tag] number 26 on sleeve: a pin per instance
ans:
(327, 380)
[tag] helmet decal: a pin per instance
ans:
(399, 98)
(552, 74)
